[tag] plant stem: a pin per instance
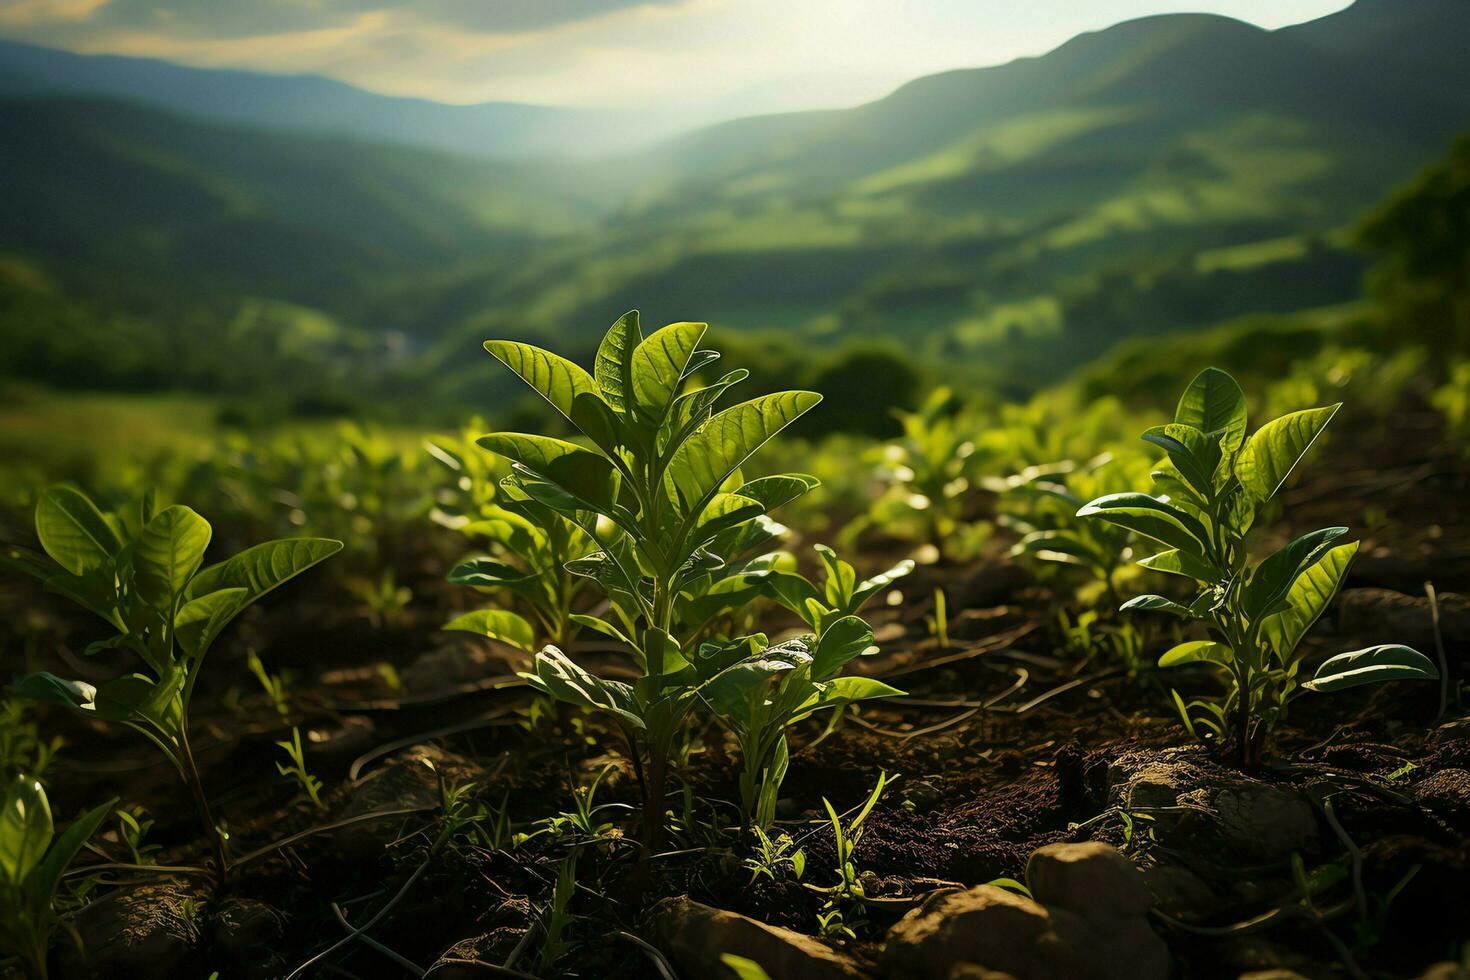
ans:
(201, 802)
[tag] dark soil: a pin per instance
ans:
(978, 790)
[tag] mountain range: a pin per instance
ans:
(1160, 174)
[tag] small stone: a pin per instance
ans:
(991, 927)
(149, 931)
(247, 933)
(1180, 892)
(694, 936)
(969, 971)
(1446, 971)
(1089, 878)
(406, 781)
(1263, 821)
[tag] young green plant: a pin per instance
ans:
(800, 678)
(1210, 493)
(838, 596)
(659, 491)
(32, 860)
(142, 574)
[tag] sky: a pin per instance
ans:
(734, 55)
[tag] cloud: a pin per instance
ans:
(727, 56)
(230, 20)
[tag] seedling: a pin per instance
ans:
(32, 860)
(274, 685)
(532, 545)
(1211, 491)
(848, 892)
(141, 574)
(939, 619)
(557, 916)
(929, 470)
(660, 492)
(309, 785)
(1041, 504)
(840, 594)
(776, 859)
(133, 825)
(793, 681)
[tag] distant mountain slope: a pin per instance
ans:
(1163, 173)
(1038, 210)
(315, 104)
(122, 191)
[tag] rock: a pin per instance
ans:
(1090, 878)
(453, 663)
(403, 782)
(1446, 971)
(1259, 819)
(998, 930)
(1180, 892)
(1446, 794)
(334, 746)
(969, 971)
(247, 934)
(694, 936)
(148, 931)
(1385, 616)
(1254, 819)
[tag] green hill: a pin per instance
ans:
(1009, 222)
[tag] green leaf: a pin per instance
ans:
(1212, 403)
(613, 366)
(1310, 594)
(847, 690)
(567, 682)
(585, 475)
(46, 686)
(64, 851)
(842, 642)
(487, 573)
(601, 626)
(25, 829)
(1183, 563)
(167, 554)
(724, 511)
(1194, 454)
(1151, 518)
(1059, 546)
(73, 531)
(1157, 603)
(1198, 651)
(658, 366)
(692, 408)
(598, 422)
(554, 378)
(1373, 665)
(1274, 576)
(1277, 447)
(791, 590)
(200, 620)
(779, 490)
(263, 567)
(497, 624)
(869, 587)
(730, 438)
